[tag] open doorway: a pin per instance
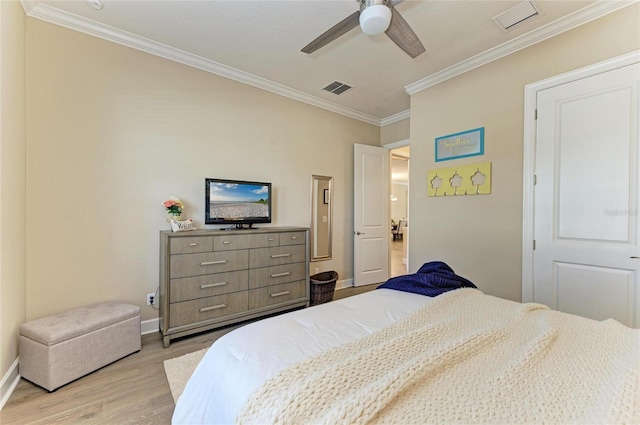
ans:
(399, 210)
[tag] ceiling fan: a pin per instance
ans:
(374, 17)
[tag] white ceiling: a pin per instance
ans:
(259, 42)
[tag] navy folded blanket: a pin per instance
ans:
(432, 279)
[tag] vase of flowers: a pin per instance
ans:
(174, 207)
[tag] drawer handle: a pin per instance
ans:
(279, 294)
(281, 274)
(212, 285)
(209, 263)
(271, 239)
(213, 307)
(293, 238)
(280, 255)
(226, 242)
(193, 244)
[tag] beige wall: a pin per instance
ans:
(12, 181)
(113, 132)
(399, 208)
(394, 132)
(480, 237)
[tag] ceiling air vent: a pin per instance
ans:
(516, 15)
(337, 87)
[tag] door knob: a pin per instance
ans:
(635, 257)
(358, 233)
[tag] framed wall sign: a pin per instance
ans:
(460, 145)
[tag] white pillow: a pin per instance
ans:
(182, 226)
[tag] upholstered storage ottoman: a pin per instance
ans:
(58, 349)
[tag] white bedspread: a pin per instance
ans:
(239, 362)
(466, 358)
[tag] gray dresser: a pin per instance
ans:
(213, 278)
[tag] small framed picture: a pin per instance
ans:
(460, 145)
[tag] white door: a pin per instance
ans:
(586, 197)
(371, 226)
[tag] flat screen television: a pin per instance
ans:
(237, 202)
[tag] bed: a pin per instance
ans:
(389, 356)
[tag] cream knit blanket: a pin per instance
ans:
(465, 358)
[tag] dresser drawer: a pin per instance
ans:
(189, 312)
(273, 239)
(231, 241)
(274, 275)
(276, 294)
(264, 257)
(186, 265)
(190, 288)
(293, 238)
(191, 245)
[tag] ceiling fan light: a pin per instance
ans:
(375, 19)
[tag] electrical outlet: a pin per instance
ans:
(151, 298)
(316, 270)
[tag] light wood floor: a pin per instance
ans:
(397, 268)
(133, 390)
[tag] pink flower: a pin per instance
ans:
(173, 206)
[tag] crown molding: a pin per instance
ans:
(55, 16)
(395, 118)
(28, 5)
(35, 9)
(580, 17)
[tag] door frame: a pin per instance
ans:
(394, 145)
(529, 145)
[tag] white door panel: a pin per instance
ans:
(371, 215)
(586, 197)
(579, 286)
(372, 256)
(594, 155)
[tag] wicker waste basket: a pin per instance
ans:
(322, 286)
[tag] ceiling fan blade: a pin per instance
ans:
(401, 33)
(341, 28)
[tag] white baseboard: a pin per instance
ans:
(150, 326)
(342, 284)
(9, 383)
